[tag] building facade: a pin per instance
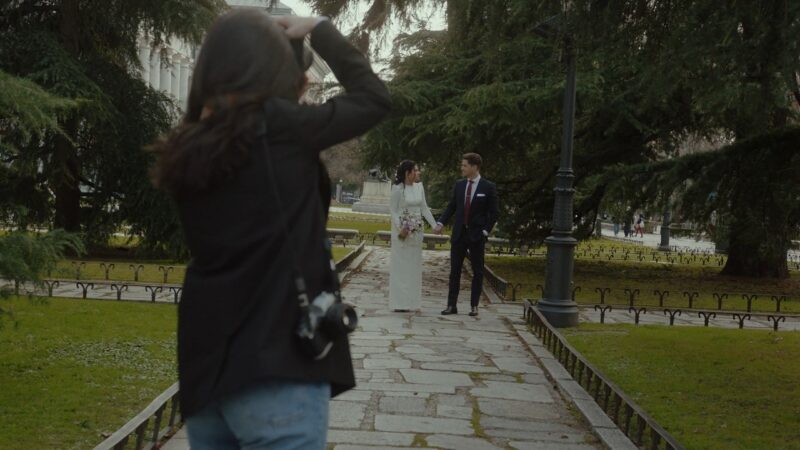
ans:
(168, 68)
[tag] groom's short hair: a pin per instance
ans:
(473, 159)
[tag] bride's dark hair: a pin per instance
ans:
(404, 167)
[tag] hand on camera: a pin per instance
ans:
(298, 27)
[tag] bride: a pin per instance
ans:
(408, 207)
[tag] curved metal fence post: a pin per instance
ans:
(602, 292)
(166, 270)
(636, 313)
(778, 300)
(719, 298)
(136, 269)
(672, 314)
(775, 321)
(661, 295)
(750, 299)
(632, 293)
(603, 310)
(706, 315)
(691, 296)
(106, 269)
(741, 318)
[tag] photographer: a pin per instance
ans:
(243, 168)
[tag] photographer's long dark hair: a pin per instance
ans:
(402, 170)
(244, 60)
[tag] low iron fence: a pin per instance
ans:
(629, 417)
(496, 282)
(740, 318)
(122, 289)
(658, 297)
(158, 420)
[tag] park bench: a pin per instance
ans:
(431, 240)
(498, 245)
(342, 235)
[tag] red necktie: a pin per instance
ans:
(468, 202)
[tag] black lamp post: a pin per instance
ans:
(665, 223)
(557, 304)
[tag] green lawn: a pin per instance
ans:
(646, 277)
(71, 370)
(711, 388)
(365, 223)
(362, 226)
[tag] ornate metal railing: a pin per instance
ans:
(642, 429)
(497, 283)
(158, 420)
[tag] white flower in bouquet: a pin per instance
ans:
(411, 222)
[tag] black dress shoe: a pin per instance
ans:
(449, 310)
(474, 311)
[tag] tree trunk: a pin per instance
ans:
(759, 231)
(457, 12)
(64, 181)
(65, 164)
(756, 252)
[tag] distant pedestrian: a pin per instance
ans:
(639, 227)
(626, 227)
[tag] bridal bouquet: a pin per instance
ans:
(411, 222)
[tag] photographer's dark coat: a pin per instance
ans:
(238, 312)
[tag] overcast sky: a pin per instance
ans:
(429, 18)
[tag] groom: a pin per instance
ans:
(474, 204)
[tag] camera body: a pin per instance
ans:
(323, 321)
(302, 56)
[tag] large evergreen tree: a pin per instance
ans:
(89, 172)
(652, 76)
(731, 68)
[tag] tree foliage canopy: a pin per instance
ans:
(77, 114)
(654, 79)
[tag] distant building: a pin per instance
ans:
(169, 67)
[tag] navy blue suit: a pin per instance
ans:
(468, 235)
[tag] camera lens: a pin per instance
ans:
(349, 319)
(341, 319)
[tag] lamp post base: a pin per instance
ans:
(560, 313)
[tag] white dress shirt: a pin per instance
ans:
(475, 182)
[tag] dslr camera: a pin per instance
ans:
(323, 320)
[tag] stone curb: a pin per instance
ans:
(354, 265)
(602, 426)
(491, 295)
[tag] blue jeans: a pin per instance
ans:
(271, 415)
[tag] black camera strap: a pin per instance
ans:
(297, 274)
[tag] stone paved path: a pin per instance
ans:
(450, 382)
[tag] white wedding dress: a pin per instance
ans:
(405, 270)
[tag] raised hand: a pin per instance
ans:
(298, 27)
